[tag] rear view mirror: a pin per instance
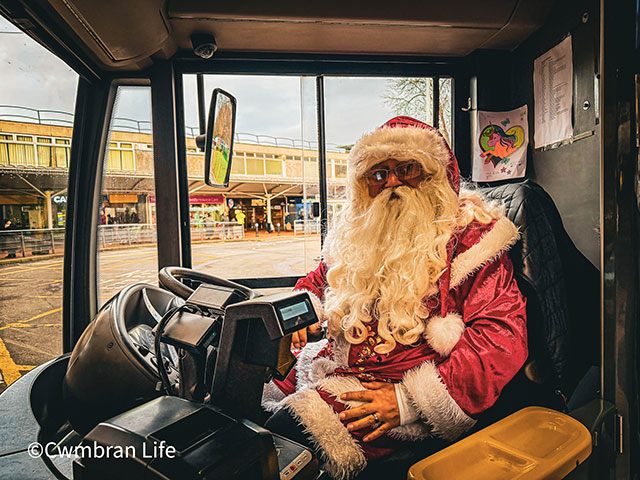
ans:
(219, 141)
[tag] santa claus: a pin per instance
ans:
(425, 323)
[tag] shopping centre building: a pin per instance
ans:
(276, 183)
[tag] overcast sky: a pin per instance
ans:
(30, 76)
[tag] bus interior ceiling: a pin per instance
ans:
(119, 37)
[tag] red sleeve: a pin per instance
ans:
(315, 281)
(493, 346)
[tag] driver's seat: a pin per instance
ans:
(563, 303)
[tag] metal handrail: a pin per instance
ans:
(306, 226)
(40, 241)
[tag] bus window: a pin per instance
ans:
(358, 105)
(35, 143)
(127, 242)
(264, 223)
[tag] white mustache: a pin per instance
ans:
(401, 191)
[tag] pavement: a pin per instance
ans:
(250, 236)
(31, 291)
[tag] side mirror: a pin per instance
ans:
(218, 147)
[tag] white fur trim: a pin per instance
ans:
(321, 368)
(340, 349)
(343, 457)
(401, 143)
(430, 395)
(271, 397)
(408, 412)
(305, 363)
(490, 246)
(412, 432)
(443, 333)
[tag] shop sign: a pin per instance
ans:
(123, 198)
(60, 199)
(18, 200)
(207, 199)
(257, 202)
(277, 207)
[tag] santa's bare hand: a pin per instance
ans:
(299, 338)
(380, 408)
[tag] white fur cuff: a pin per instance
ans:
(430, 395)
(343, 457)
(271, 397)
(408, 412)
(443, 333)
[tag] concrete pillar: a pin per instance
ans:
(269, 210)
(48, 210)
(148, 208)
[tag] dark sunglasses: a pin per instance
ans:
(403, 171)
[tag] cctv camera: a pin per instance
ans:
(204, 45)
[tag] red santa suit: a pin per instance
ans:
(474, 342)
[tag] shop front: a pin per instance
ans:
(239, 210)
(277, 215)
(257, 212)
(124, 208)
(205, 210)
(25, 211)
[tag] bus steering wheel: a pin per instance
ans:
(170, 278)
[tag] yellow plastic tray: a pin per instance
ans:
(533, 443)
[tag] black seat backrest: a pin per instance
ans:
(561, 285)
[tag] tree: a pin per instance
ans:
(414, 97)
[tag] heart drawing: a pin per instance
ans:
(497, 145)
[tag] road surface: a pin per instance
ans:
(31, 293)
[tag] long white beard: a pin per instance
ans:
(383, 259)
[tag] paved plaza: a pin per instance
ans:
(31, 292)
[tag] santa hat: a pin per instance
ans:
(404, 138)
